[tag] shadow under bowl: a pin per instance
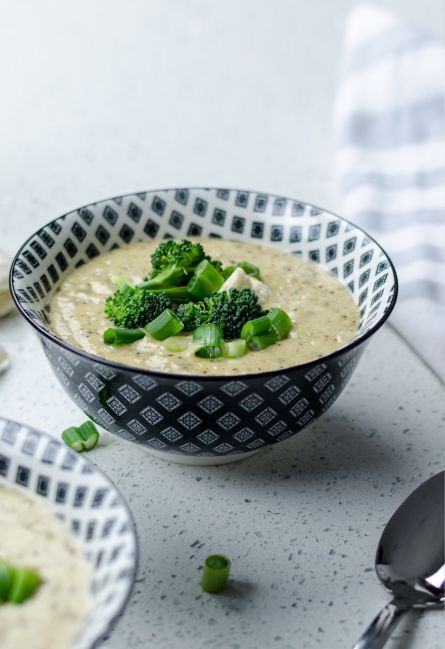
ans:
(203, 419)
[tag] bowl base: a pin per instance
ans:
(200, 460)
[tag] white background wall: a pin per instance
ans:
(101, 97)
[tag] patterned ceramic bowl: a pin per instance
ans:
(80, 494)
(203, 419)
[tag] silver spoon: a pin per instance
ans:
(410, 560)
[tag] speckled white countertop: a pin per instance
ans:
(103, 98)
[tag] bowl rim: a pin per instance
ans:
(356, 342)
(134, 530)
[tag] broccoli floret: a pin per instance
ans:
(174, 262)
(229, 310)
(131, 306)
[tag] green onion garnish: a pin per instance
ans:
(209, 337)
(280, 321)
(253, 327)
(17, 583)
(164, 326)
(261, 341)
(177, 343)
(206, 280)
(215, 573)
(83, 438)
(24, 585)
(246, 266)
(6, 579)
(234, 348)
(117, 336)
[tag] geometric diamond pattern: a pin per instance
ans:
(217, 415)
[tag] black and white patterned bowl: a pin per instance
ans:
(203, 419)
(82, 496)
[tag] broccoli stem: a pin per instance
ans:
(172, 276)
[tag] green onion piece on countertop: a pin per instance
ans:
(24, 585)
(83, 438)
(280, 321)
(206, 280)
(209, 337)
(261, 341)
(253, 327)
(6, 579)
(234, 348)
(215, 573)
(167, 324)
(177, 343)
(122, 336)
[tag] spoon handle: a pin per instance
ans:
(381, 627)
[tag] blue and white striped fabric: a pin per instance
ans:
(390, 168)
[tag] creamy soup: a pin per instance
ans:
(31, 536)
(323, 312)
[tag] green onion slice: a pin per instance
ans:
(209, 337)
(177, 343)
(167, 324)
(122, 336)
(83, 438)
(206, 280)
(280, 321)
(24, 585)
(261, 341)
(246, 266)
(215, 573)
(234, 348)
(253, 327)
(6, 579)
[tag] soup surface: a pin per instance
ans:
(31, 536)
(323, 312)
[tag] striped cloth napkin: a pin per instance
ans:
(390, 167)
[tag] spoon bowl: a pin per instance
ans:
(410, 559)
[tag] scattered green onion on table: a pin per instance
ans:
(82, 438)
(215, 574)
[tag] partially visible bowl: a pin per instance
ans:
(95, 512)
(203, 419)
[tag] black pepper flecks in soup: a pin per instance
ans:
(323, 312)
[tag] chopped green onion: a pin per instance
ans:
(83, 438)
(234, 348)
(177, 343)
(120, 336)
(24, 585)
(246, 266)
(215, 573)
(6, 579)
(261, 341)
(206, 280)
(165, 325)
(17, 583)
(249, 269)
(281, 323)
(209, 337)
(253, 327)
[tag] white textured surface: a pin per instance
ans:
(99, 98)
